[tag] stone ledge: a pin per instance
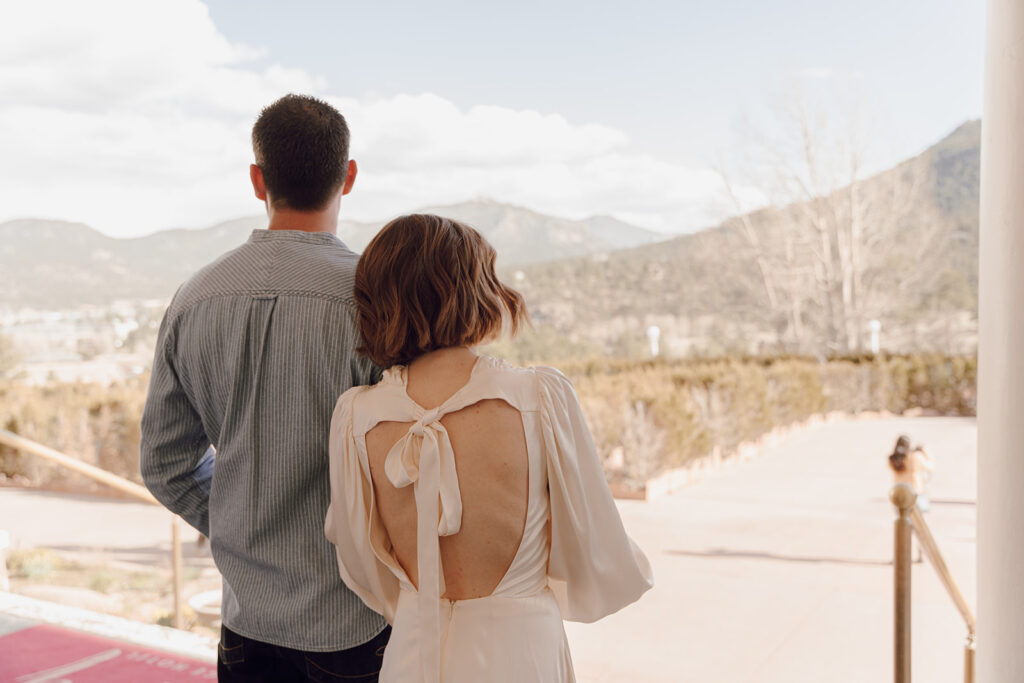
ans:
(148, 635)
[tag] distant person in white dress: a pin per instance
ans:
(468, 505)
(912, 466)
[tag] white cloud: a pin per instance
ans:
(134, 117)
(413, 131)
(817, 73)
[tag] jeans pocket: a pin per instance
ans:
(231, 648)
(323, 669)
(359, 663)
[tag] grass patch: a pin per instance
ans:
(35, 563)
(142, 594)
(102, 580)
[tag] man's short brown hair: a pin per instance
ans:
(426, 283)
(301, 145)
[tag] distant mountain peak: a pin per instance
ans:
(93, 268)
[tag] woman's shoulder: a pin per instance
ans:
(534, 376)
(363, 403)
(525, 387)
(343, 407)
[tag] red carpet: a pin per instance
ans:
(49, 653)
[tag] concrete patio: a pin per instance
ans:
(775, 570)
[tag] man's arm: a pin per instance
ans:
(173, 440)
(364, 371)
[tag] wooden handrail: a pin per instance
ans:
(121, 484)
(909, 519)
(95, 473)
(931, 551)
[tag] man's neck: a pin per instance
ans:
(322, 220)
(306, 221)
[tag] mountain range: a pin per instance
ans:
(707, 293)
(600, 283)
(57, 264)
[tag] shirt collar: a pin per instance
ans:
(295, 236)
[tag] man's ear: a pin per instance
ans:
(350, 178)
(258, 186)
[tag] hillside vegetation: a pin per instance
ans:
(805, 277)
(708, 294)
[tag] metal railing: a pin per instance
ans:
(104, 477)
(908, 521)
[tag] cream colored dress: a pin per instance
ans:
(591, 568)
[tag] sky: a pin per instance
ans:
(133, 116)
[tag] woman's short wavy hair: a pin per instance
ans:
(426, 283)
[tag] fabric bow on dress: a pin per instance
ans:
(424, 459)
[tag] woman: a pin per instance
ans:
(468, 505)
(911, 466)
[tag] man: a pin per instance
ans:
(252, 354)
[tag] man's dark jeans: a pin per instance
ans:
(244, 660)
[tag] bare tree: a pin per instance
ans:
(783, 275)
(823, 250)
(643, 442)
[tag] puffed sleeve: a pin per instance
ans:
(595, 568)
(351, 516)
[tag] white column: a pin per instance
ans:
(1001, 352)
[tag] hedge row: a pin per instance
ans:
(689, 407)
(96, 424)
(646, 416)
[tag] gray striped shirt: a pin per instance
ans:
(252, 355)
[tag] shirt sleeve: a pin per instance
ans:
(352, 519)
(595, 568)
(364, 371)
(173, 441)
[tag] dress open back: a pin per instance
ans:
(590, 568)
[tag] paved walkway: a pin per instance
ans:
(776, 570)
(83, 525)
(779, 569)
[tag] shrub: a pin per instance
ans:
(33, 563)
(698, 405)
(646, 416)
(94, 423)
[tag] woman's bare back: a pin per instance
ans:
(493, 470)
